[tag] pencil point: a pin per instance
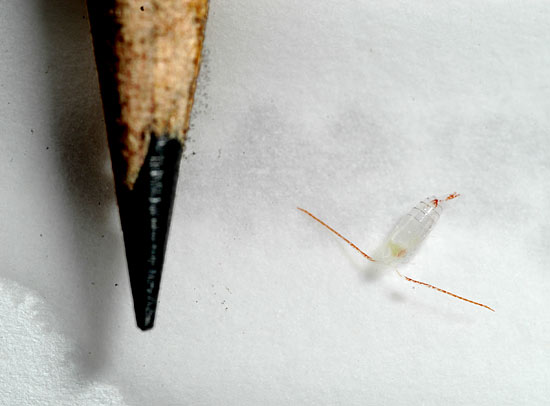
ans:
(148, 61)
(145, 213)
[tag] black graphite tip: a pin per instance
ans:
(145, 213)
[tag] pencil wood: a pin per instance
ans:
(148, 57)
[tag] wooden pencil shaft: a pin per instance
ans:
(148, 57)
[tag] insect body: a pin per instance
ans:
(406, 237)
(411, 230)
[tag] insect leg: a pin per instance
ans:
(338, 234)
(442, 291)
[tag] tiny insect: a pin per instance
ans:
(406, 237)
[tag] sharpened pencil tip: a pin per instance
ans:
(145, 213)
(145, 320)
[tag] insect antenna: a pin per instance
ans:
(442, 290)
(452, 196)
(436, 202)
(338, 234)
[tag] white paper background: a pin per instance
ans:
(355, 110)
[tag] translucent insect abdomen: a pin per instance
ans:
(411, 230)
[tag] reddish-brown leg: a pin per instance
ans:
(338, 234)
(442, 291)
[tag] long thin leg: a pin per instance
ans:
(338, 234)
(442, 291)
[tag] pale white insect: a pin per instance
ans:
(406, 237)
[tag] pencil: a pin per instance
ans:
(148, 56)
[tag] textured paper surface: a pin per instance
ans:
(354, 111)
